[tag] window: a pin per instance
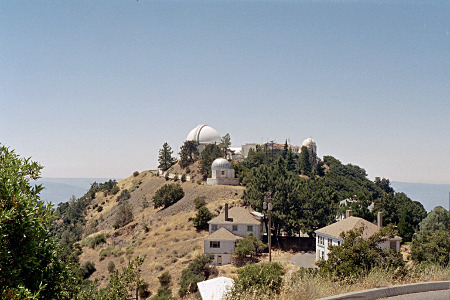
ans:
(393, 245)
(223, 172)
(250, 228)
(214, 244)
(330, 241)
(214, 227)
(235, 228)
(320, 240)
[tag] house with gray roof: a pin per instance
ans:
(229, 227)
(330, 235)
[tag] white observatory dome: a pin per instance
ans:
(204, 134)
(309, 142)
(220, 164)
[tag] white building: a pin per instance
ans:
(204, 135)
(227, 228)
(222, 173)
(330, 235)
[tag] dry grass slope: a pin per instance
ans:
(165, 236)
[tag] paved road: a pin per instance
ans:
(305, 260)
(434, 295)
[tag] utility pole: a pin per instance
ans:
(268, 205)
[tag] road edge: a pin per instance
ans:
(394, 290)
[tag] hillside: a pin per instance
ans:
(165, 236)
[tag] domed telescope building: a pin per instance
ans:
(204, 135)
(222, 173)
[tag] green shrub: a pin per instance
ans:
(357, 256)
(196, 271)
(100, 208)
(124, 215)
(199, 201)
(124, 195)
(87, 269)
(175, 178)
(111, 266)
(202, 218)
(431, 247)
(167, 195)
(164, 279)
(183, 178)
(115, 189)
(259, 279)
(135, 173)
(250, 245)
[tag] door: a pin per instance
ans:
(219, 260)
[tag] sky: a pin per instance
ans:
(94, 88)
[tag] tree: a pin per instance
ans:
(249, 245)
(209, 154)
(196, 271)
(124, 215)
(225, 143)
(305, 162)
(120, 283)
(437, 219)
(431, 247)
(405, 227)
(167, 195)
(258, 279)
(432, 242)
(202, 218)
(384, 184)
(29, 262)
(165, 158)
(188, 153)
(357, 255)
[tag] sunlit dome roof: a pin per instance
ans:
(204, 134)
(220, 163)
(309, 142)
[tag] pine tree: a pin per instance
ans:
(165, 158)
(188, 153)
(304, 161)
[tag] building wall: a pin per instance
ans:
(246, 148)
(322, 243)
(241, 229)
(322, 249)
(226, 247)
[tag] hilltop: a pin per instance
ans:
(165, 236)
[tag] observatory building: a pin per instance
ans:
(222, 173)
(204, 135)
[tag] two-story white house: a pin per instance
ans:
(330, 235)
(229, 227)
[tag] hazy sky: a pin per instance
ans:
(94, 88)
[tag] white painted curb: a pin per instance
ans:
(394, 290)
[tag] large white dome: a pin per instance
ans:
(220, 164)
(204, 134)
(309, 142)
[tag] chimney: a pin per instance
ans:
(226, 211)
(379, 219)
(348, 213)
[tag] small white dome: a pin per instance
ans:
(309, 142)
(204, 134)
(220, 164)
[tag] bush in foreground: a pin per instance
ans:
(258, 279)
(197, 270)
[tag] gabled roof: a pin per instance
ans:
(239, 215)
(222, 234)
(347, 224)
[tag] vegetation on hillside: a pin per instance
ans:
(168, 195)
(165, 158)
(30, 264)
(357, 255)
